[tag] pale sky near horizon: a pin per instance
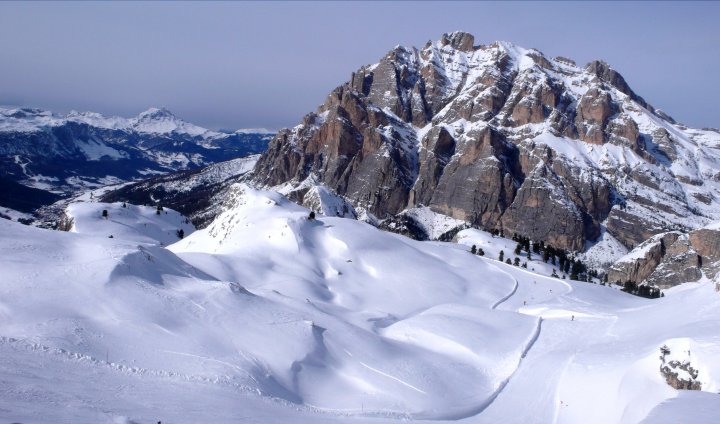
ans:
(266, 64)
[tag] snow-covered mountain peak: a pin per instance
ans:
(156, 113)
(499, 135)
(24, 112)
(162, 121)
(248, 213)
(255, 131)
(98, 120)
(27, 119)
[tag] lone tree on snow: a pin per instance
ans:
(180, 233)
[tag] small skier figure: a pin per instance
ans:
(572, 318)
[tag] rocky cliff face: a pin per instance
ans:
(503, 137)
(673, 258)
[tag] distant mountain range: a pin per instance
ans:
(64, 154)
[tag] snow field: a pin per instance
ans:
(267, 316)
(140, 224)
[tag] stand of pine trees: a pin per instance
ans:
(642, 290)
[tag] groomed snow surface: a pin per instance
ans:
(269, 317)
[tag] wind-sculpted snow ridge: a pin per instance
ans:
(142, 224)
(267, 315)
(504, 137)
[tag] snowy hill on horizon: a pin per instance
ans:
(269, 316)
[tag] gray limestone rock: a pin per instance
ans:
(500, 137)
(669, 259)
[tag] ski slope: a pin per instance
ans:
(267, 316)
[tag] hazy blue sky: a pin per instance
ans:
(231, 65)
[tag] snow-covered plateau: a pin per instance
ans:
(268, 316)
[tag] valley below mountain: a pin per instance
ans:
(65, 155)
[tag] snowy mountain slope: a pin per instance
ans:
(507, 138)
(141, 224)
(81, 150)
(268, 316)
(492, 245)
(197, 194)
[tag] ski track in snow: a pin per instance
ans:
(384, 374)
(509, 295)
(477, 411)
(65, 354)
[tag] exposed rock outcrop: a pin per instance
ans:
(503, 137)
(641, 262)
(669, 259)
(679, 374)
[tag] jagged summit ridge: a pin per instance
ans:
(503, 137)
